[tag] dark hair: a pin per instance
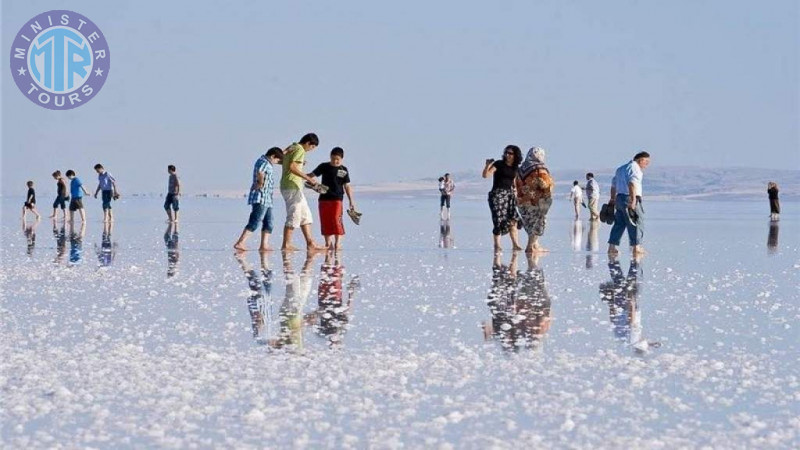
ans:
(310, 139)
(276, 152)
(70, 173)
(171, 168)
(575, 183)
(590, 175)
(447, 174)
(98, 166)
(57, 173)
(517, 155)
(29, 183)
(337, 151)
(641, 155)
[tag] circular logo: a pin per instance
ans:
(60, 59)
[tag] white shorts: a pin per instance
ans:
(297, 211)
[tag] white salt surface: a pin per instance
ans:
(138, 340)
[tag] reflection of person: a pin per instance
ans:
(622, 296)
(772, 237)
(260, 199)
(60, 234)
(535, 196)
(171, 241)
(298, 288)
(502, 201)
(445, 234)
(107, 249)
(576, 196)
(774, 203)
(333, 313)
(171, 203)
(592, 243)
(107, 186)
(29, 230)
(577, 235)
(259, 301)
(76, 243)
(592, 195)
(519, 304)
(626, 195)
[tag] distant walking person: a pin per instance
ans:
(61, 196)
(298, 214)
(76, 191)
(576, 196)
(593, 196)
(30, 202)
(534, 196)
(336, 177)
(107, 186)
(774, 203)
(502, 201)
(448, 186)
(171, 204)
(626, 195)
(260, 199)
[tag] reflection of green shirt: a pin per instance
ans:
(295, 153)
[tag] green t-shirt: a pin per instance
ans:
(295, 153)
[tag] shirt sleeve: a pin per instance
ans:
(634, 175)
(318, 171)
(347, 175)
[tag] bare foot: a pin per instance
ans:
(638, 250)
(540, 249)
(313, 247)
(240, 247)
(517, 248)
(612, 250)
(50, 217)
(265, 249)
(498, 249)
(289, 248)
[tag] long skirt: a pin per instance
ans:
(503, 204)
(774, 206)
(534, 217)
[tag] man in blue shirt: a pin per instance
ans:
(260, 199)
(626, 196)
(76, 191)
(108, 186)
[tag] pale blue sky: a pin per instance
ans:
(415, 88)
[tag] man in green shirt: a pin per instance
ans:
(298, 214)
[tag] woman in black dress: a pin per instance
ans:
(774, 203)
(502, 199)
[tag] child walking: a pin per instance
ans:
(61, 196)
(76, 191)
(337, 178)
(171, 204)
(30, 202)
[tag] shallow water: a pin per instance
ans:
(146, 336)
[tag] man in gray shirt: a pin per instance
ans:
(171, 204)
(593, 195)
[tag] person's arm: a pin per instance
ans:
(613, 191)
(296, 168)
(95, 192)
(113, 186)
(349, 191)
(87, 192)
(489, 168)
(177, 186)
(631, 195)
(259, 180)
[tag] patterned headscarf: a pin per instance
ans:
(534, 160)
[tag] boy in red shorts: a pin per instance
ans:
(337, 178)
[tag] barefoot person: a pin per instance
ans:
(337, 178)
(30, 202)
(592, 196)
(298, 214)
(107, 185)
(171, 204)
(502, 201)
(61, 196)
(626, 195)
(774, 203)
(535, 196)
(576, 197)
(448, 186)
(260, 199)
(76, 192)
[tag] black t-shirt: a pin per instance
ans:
(333, 177)
(31, 197)
(503, 175)
(61, 188)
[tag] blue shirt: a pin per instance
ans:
(628, 173)
(75, 188)
(105, 180)
(262, 196)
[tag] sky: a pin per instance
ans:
(413, 89)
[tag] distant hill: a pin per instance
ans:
(668, 182)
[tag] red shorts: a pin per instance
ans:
(330, 217)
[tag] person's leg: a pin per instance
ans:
(176, 206)
(256, 212)
(168, 207)
(83, 216)
(620, 220)
(266, 230)
(496, 239)
(338, 241)
(638, 236)
(35, 212)
(23, 212)
(306, 221)
(513, 232)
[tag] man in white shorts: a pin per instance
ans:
(298, 214)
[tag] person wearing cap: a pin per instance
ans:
(626, 196)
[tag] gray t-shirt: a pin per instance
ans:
(172, 187)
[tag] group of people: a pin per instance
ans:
(334, 184)
(522, 194)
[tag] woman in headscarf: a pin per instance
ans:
(502, 200)
(774, 203)
(534, 196)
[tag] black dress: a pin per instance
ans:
(774, 203)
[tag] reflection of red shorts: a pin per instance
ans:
(330, 217)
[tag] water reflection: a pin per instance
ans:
(592, 243)
(259, 300)
(173, 251)
(445, 234)
(519, 304)
(576, 237)
(107, 249)
(29, 230)
(772, 238)
(621, 294)
(332, 316)
(60, 235)
(76, 242)
(298, 288)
